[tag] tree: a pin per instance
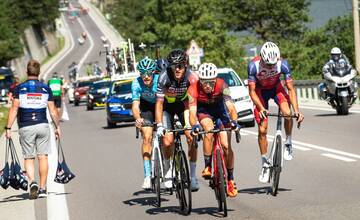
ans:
(269, 20)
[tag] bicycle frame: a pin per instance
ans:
(217, 146)
(273, 146)
(156, 145)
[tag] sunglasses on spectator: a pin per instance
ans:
(177, 66)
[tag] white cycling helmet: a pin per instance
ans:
(335, 50)
(270, 53)
(207, 71)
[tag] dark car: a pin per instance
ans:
(80, 91)
(118, 104)
(97, 94)
(6, 80)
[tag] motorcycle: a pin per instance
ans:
(339, 88)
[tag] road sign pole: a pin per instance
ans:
(356, 33)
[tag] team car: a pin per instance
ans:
(119, 102)
(96, 96)
(240, 95)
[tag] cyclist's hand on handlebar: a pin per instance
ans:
(263, 114)
(195, 129)
(299, 118)
(235, 125)
(160, 131)
(139, 122)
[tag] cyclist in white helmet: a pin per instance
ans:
(264, 74)
(209, 100)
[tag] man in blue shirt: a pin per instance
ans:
(31, 99)
(143, 107)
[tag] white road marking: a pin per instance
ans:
(325, 109)
(301, 148)
(312, 146)
(91, 44)
(346, 159)
(65, 54)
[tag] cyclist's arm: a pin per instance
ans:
(135, 108)
(292, 96)
(254, 97)
(13, 112)
(192, 95)
(231, 109)
(159, 110)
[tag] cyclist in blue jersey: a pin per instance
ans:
(31, 99)
(143, 108)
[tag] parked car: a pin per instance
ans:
(6, 80)
(97, 94)
(80, 91)
(240, 95)
(118, 104)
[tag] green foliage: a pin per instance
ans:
(269, 20)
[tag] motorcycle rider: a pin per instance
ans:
(337, 59)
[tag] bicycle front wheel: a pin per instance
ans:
(220, 184)
(184, 184)
(276, 169)
(157, 176)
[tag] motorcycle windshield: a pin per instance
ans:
(341, 68)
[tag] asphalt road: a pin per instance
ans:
(320, 183)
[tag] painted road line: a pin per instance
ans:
(346, 159)
(66, 53)
(91, 45)
(326, 109)
(313, 146)
(301, 148)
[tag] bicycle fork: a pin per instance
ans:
(156, 146)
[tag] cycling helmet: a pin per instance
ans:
(270, 53)
(177, 56)
(207, 71)
(146, 65)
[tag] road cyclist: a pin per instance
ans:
(264, 73)
(143, 108)
(209, 100)
(171, 100)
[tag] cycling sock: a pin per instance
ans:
(193, 170)
(147, 168)
(207, 160)
(263, 159)
(230, 174)
(288, 140)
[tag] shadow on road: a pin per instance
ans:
(331, 114)
(261, 190)
(212, 211)
(125, 125)
(14, 198)
(145, 201)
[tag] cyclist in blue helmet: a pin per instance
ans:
(143, 107)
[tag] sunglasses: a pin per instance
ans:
(177, 66)
(210, 83)
(147, 74)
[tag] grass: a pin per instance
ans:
(4, 111)
(61, 41)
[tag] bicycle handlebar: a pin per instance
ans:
(144, 125)
(285, 116)
(237, 133)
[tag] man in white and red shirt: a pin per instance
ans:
(264, 74)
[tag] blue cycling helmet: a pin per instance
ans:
(146, 65)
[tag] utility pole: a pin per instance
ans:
(356, 34)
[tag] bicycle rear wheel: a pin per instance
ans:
(276, 169)
(157, 176)
(220, 185)
(184, 184)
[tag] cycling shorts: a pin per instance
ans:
(214, 112)
(57, 101)
(277, 93)
(147, 111)
(180, 109)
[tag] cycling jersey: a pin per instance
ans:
(55, 85)
(171, 89)
(265, 77)
(33, 96)
(140, 90)
(211, 105)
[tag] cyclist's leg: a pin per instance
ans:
(207, 124)
(146, 155)
(192, 151)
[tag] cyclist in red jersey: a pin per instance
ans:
(264, 73)
(209, 100)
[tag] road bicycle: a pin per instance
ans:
(276, 155)
(180, 167)
(219, 172)
(157, 167)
